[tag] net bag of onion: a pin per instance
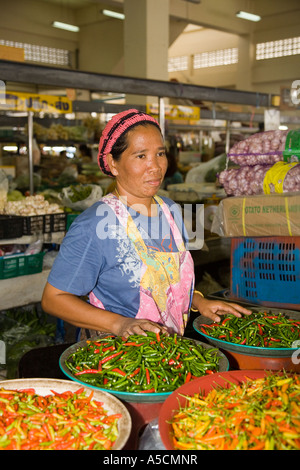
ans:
(261, 179)
(261, 167)
(263, 148)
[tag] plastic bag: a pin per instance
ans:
(150, 439)
(71, 193)
(199, 173)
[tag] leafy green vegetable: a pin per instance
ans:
(80, 192)
(22, 330)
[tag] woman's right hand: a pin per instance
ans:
(76, 311)
(131, 326)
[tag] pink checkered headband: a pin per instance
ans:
(116, 127)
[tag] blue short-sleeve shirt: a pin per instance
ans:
(97, 256)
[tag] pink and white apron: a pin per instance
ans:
(167, 278)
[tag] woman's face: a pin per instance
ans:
(142, 166)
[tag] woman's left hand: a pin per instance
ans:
(213, 309)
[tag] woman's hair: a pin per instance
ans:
(115, 133)
(122, 143)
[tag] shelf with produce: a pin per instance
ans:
(51, 130)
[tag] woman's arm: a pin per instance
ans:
(76, 311)
(214, 308)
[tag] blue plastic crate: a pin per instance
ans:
(266, 271)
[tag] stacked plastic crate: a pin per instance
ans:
(262, 218)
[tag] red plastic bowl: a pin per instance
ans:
(202, 385)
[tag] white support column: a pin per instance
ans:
(245, 62)
(146, 40)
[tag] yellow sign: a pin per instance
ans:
(12, 53)
(176, 112)
(14, 101)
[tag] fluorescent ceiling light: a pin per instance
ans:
(10, 148)
(113, 14)
(65, 26)
(248, 16)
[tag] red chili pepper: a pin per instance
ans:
(151, 390)
(188, 377)
(133, 344)
(121, 372)
(87, 371)
(106, 359)
(135, 372)
(112, 348)
(147, 377)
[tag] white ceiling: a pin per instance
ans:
(214, 14)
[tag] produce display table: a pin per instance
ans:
(22, 290)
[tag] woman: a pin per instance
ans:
(173, 175)
(127, 251)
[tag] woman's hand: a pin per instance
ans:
(131, 326)
(213, 309)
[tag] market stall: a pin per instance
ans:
(143, 375)
(146, 374)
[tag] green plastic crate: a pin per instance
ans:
(20, 265)
(70, 219)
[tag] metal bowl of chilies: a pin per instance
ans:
(156, 397)
(242, 356)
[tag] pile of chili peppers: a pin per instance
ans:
(58, 421)
(261, 414)
(142, 364)
(260, 329)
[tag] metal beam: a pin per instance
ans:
(102, 107)
(48, 76)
